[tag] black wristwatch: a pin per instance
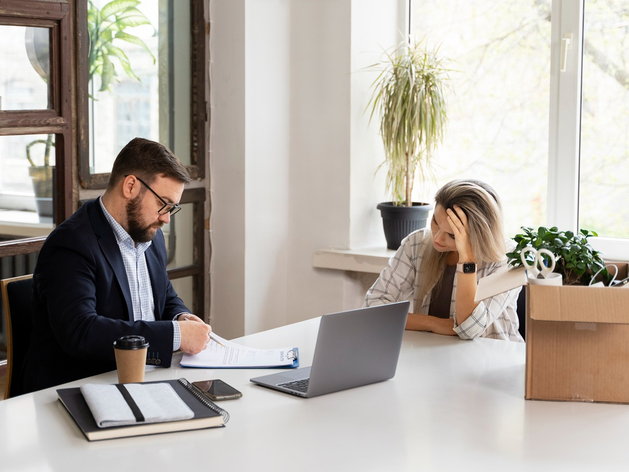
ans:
(466, 267)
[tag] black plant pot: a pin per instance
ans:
(400, 221)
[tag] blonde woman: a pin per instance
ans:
(438, 269)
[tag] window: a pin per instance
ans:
(129, 47)
(587, 158)
(592, 136)
(138, 73)
(499, 56)
(26, 161)
(604, 133)
(35, 122)
(35, 130)
(548, 127)
(146, 72)
(27, 164)
(25, 85)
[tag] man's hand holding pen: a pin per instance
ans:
(195, 333)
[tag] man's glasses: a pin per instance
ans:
(171, 208)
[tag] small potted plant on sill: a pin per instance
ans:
(42, 177)
(408, 96)
(576, 260)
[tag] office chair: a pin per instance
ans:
(522, 311)
(17, 295)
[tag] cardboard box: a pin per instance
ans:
(577, 343)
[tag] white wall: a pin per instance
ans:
(292, 158)
(376, 26)
(227, 166)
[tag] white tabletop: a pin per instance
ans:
(453, 406)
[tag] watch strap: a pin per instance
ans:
(466, 267)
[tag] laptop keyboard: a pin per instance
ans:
(297, 385)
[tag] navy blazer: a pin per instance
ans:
(82, 303)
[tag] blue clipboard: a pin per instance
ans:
(294, 353)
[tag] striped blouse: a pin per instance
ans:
(495, 317)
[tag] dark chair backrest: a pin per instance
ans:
(522, 311)
(17, 294)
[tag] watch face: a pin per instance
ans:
(469, 268)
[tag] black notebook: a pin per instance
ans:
(206, 414)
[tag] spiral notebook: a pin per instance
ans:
(206, 414)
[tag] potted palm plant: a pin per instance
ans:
(409, 99)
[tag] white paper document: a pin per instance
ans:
(233, 355)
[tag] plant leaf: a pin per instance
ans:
(107, 74)
(134, 40)
(117, 6)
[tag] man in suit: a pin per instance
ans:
(101, 274)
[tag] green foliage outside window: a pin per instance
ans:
(107, 28)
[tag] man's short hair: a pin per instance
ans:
(147, 160)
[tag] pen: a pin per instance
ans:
(215, 338)
(212, 335)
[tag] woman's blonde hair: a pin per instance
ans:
(481, 205)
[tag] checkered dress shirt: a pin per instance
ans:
(138, 275)
(495, 317)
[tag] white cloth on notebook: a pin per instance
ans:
(158, 402)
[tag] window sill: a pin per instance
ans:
(373, 259)
(611, 249)
(369, 260)
(24, 224)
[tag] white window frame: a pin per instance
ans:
(565, 116)
(565, 126)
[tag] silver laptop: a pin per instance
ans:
(354, 348)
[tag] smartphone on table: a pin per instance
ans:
(217, 390)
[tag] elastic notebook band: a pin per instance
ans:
(135, 409)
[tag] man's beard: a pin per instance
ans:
(139, 233)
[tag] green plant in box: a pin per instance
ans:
(577, 261)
